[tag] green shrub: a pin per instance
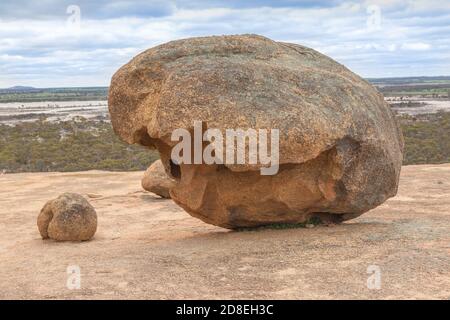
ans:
(68, 146)
(87, 145)
(426, 138)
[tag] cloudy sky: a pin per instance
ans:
(52, 43)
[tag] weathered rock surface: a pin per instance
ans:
(408, 232)
(157, 181)
(69, 217)
(340, 147)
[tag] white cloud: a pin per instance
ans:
(416, 46)
(44, 52)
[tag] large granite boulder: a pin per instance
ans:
(156, 180)
(70, 217)
(340, 148)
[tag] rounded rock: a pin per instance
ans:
(70, 217)
(157, 181)
(340, 147)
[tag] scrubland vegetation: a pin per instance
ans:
(427, 138)
(85, 145)
(68, 146)
(430, 87)
(53, 94)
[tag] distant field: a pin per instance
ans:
(422, 90)
(411, 86)
(408, 80)
(78, 145)
(414, 86)
(54, 94)
(426, 138)
(42, 146)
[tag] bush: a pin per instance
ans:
(426, 138)
(85, 145)
(68, 146)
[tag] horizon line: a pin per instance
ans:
(102, 86)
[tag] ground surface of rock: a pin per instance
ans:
(69, 217)
(149, 248)
(156, 180)
(340, 148)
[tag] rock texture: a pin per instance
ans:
(340, 147)
(157, 181)
(69, 217)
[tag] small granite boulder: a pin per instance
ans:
(157, 181)
(69, 217)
